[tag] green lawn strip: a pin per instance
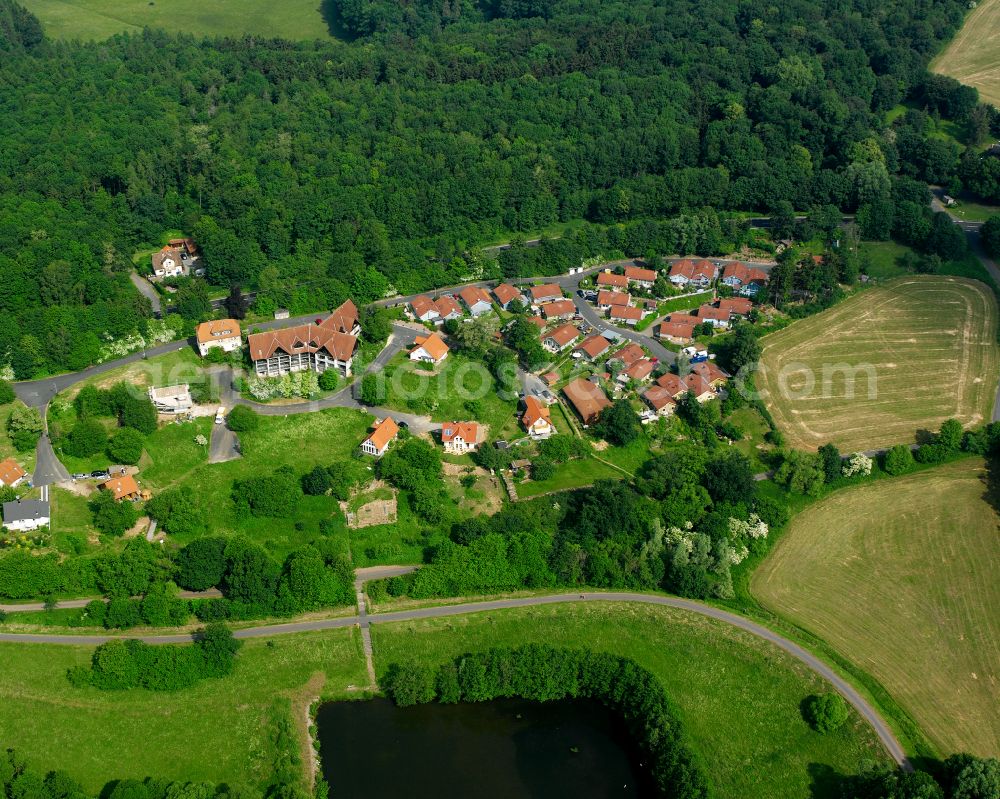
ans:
(575, 473)
(99, 19)
(220, 730)
(737, 695)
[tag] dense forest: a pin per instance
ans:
(317, 170)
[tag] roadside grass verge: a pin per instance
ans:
(738, 696)
(217, 731)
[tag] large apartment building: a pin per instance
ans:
(327, 344)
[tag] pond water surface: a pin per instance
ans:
(491, 750)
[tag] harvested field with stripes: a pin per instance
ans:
(899, 576)
(877, 368)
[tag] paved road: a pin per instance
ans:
(147, 290)
(48, 468)
(867, 711)
(224, 446)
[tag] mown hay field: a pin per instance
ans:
(973, 57)
(877, 368)
(98, 19)
(899, 576)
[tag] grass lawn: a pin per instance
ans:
(218, 731)
(572, 474)
(881, 258)
(70, 514)
(182, 366)
(686, 303)
(458, 389)
(972, 56)
(754, 428)
(99, 19)
(738, 696)
(914, 352)
(899, 576)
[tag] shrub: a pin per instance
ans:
(88, 437)
(126, 446)
(111, 517)
(825, 712)
(276, 495)
(177, 511)
(242, 419)
(329, 380)
(411, 684)
(201, 564)
(137, 412)
(898, 460)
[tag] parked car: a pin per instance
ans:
(101, 475)
(220, 415)
(80, 476)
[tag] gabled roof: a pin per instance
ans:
(676, 329)
(587, 398)
(671, 383)
(467, 431)
(744, 273)
(611, 279)
(563, 335)
(694, 270)
(625, 312)
(121, 487)
(657, 397)
(684, 318)
(612, 298)
(546, 291)
(711, 312)
(683, 268)
(630, 354)
(302, 338)
(446, 306)
(505, 292)
(640, 370)
(167, 252)
(710, 370)
(11, 472)
(697, 384)
(537, 321)
(343, 319)
(637, 273)
(433, 345)
(594, 346)
(383, 432)
(558, 308)
(534, 411)
(473, 294)
(217, 329)
(25, 510)
(422, 306)
(736, 305)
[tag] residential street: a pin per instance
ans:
(48, 468)
(867, 711)
(224, 446)
(147, 290)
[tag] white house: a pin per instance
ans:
(429, 349)
(221, 333)
(29, 514)
(11, 473)
(477, 300)
(171, 399)
(167, 263)
(382, 435)
(459, 437)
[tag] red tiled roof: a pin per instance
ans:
(711, 371)
(433, 345)
(594, 346)
(446, 306)
(472, 294)
(467, 431)
(563, 335)
(383, 432)
(343, 319)
(534, 410)
(736, 305)
(676, 329)
(637, 273)
(625, 312)
(630, 354)
(671, 383)
(11, 472)
(684, 318)
(611, 279)
(640, 370)
(657, 397)
(537, 321)
(551, 310)
(302, 338)
(505, 292)
(121, 487)
(605, 297)
(422, 306)
(215, 329)
(711, 312)
(588, 399)
(547, 291)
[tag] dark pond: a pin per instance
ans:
(492, 750)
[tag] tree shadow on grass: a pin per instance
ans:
(992, 483)
(825, 781)
(328, 10)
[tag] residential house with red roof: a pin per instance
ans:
(643, 278)
(429, 349)
(716, 317)
(423, 309)
(625, 313)
(460, 437)
(559, 309)
(686, 272)
(505, 294)
(329, 344)
(476, 299)
(606, 300)
(382, 435)
(559, 339)
(587, 399)
(611, 280)
(537, 418)
(592, 348)
(547, 292)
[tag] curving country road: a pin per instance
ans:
(844, 688)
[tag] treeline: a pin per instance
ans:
(119, 665)
(138, 581)
(544, 673)
(493, 117)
